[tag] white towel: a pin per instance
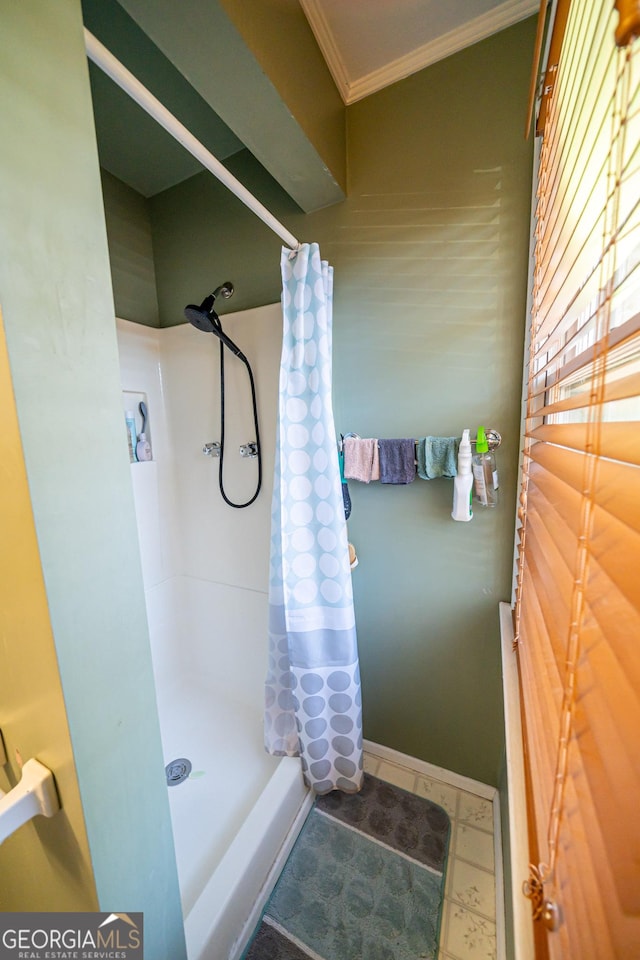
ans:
(361, 461)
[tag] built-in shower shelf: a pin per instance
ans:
(131, 400)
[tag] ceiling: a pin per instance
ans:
(367, 45)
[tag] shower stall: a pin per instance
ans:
(235, 809)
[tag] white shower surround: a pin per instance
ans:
(205, 569)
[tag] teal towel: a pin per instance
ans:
(437, 457)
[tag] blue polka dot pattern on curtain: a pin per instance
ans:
(313, 700)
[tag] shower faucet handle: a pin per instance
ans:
(249, 449)
(211, 449)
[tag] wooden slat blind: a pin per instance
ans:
(577, 612)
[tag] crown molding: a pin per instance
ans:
(325, 38)
(353, 89)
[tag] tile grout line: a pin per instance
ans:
(444, 922)
(478, 866)
(446, 909)
(474, 826)
(474, 910)
(452, 899)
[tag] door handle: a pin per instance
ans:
(34, 795)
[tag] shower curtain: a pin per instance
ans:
(313, 701)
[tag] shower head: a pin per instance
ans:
(205, 318)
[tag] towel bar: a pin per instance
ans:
(494, 439)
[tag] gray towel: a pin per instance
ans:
(437, 457)
(397, 461)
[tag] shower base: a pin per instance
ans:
(234, 817)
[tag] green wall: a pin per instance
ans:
(133, 276)
(131, 144)
(203, 235)
(279, 35)
(429, 338)
(430, 257)
(203, 43)
(59, 320)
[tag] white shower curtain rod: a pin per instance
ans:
(104, 59)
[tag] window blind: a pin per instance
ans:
(577, 610)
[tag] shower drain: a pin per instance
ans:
(177, 771)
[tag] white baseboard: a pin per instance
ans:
(430, 770)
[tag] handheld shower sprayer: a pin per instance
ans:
(205, 318)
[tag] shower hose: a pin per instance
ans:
(241, 356)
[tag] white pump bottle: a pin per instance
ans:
(463, 482)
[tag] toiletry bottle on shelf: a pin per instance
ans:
(131, 435)
(463, 482)
(143, 448)
(485, 475)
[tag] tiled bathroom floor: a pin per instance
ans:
(469, 915)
